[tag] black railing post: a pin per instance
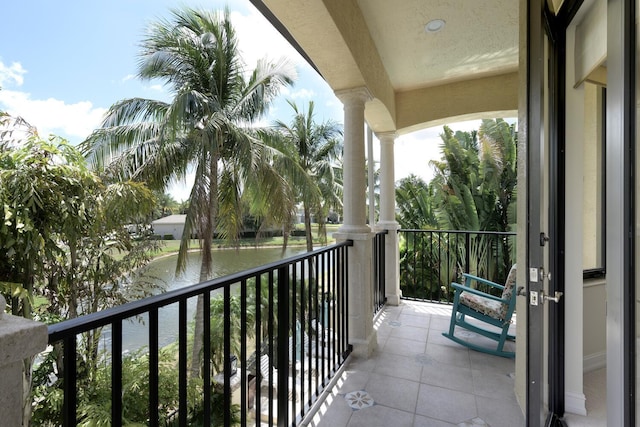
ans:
(153, 368)
(227, 356)
(243, 347)
(206, 349)
(282, 340)
(116, 373)
(69, 385)
(182, 362)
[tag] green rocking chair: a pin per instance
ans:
(486, 308)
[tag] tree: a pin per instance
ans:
(206, 126)
(315, 148)
(62, 228)
(475, 183)
(165, 205)
(415, 207)
(474, 189)
(375, 203)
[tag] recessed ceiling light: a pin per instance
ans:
(434, 25)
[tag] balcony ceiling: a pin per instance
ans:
(417, 79)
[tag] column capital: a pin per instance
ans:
(354, 94)
(387, 136)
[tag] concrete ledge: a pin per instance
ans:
(20, 338)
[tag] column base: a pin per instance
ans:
(347, 230)
(363, 349)
(393, 300)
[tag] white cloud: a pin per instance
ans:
(128, 77)
(157, 88)
(303, 94)
(13, 73)
(53, 116)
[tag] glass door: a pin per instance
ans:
(536, 135)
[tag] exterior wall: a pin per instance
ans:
(173, 229)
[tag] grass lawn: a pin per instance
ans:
(172, 246)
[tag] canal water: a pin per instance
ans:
(161, 271)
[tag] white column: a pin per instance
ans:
(353, 161)
(388, 217)
(19, 339)
(361, 333)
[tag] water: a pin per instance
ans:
(161, 271)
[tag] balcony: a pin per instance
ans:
(420, 378)
(284, 356)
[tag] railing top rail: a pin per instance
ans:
(61, 330)
(495, 233)
(382, 232)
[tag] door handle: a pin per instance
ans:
(555, 298)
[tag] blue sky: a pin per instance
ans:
(62, 64)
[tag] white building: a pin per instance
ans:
(172, 224)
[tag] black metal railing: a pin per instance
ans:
(274, 336)
(379, 292)
(431, 259)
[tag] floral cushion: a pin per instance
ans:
(490, 307)
(482, 304)
(509, 287)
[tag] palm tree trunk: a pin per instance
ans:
(205, 266)
(307, 226)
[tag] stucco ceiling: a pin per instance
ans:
(412, 75)
(480, 38)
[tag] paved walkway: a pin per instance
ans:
(420, 378)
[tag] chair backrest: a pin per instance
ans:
(507, 293)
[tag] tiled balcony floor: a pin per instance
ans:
(417, 377)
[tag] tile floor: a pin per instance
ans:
(417, 377)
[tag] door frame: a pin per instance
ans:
(546, 30)
(533, 131)
(620, 217)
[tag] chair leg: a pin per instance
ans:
(500, 338)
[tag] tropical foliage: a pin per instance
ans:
(474, 189)
(315, 149)
(65, 248)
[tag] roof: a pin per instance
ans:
(171, 219)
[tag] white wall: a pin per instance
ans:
(173, 229)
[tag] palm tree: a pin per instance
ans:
(316, 148)
(205, 128)
(165, 204)
(475, 186)
(415, 207)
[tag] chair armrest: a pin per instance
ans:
(463, 288)
(471, 278)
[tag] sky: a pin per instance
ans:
(63, 64)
